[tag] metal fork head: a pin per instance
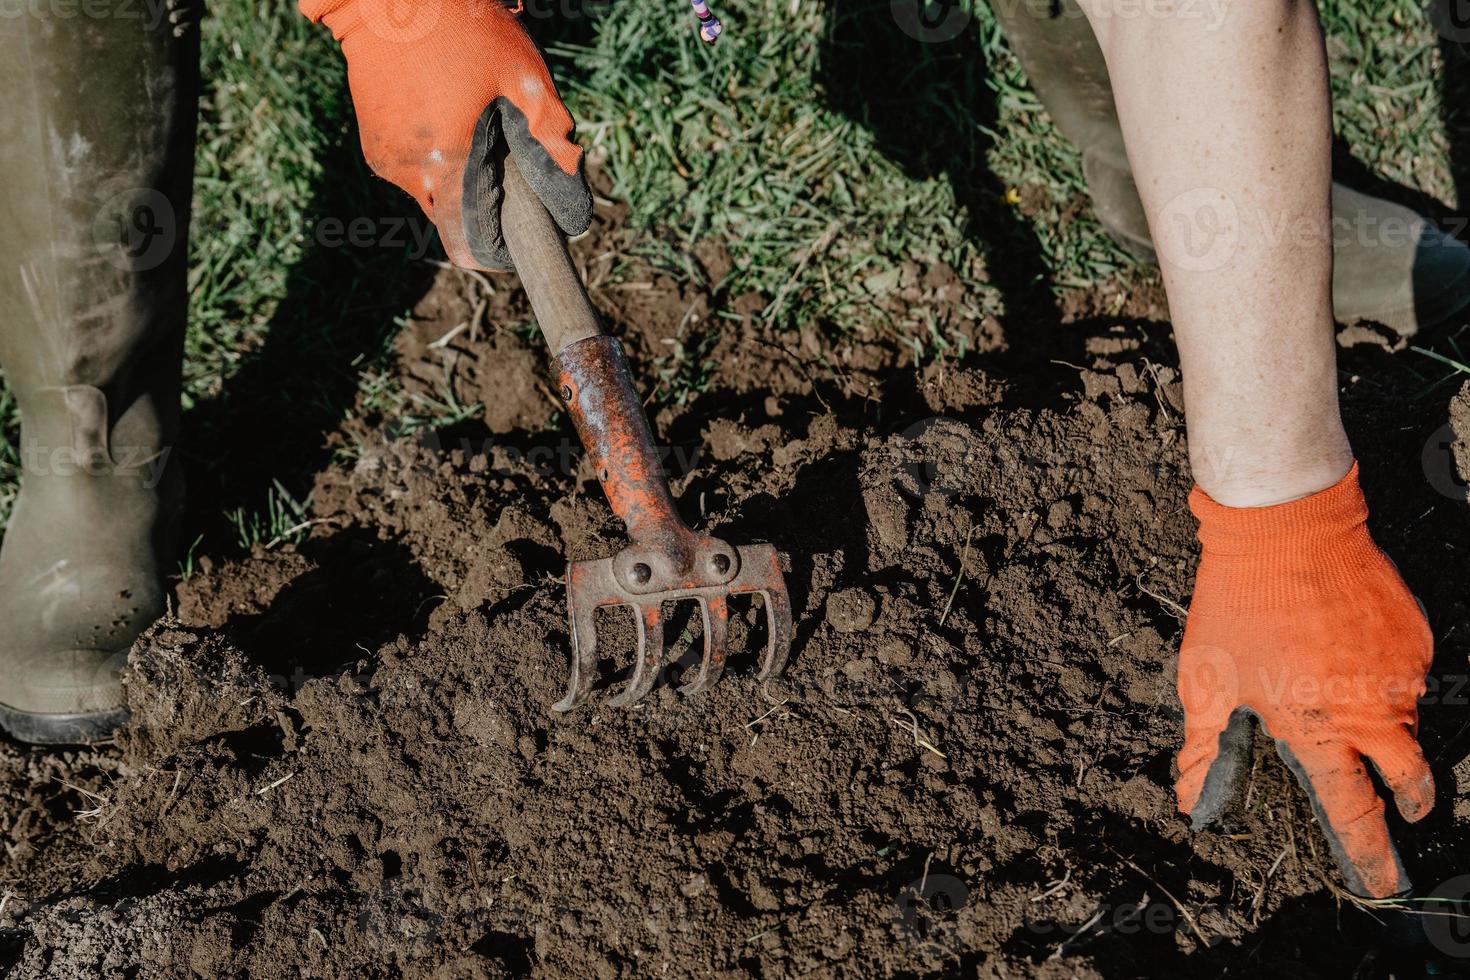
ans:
(642, 578)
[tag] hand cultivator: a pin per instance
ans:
(665, 560)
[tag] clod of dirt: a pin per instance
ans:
(341, 761)
(851, 610)
(1460, 427)
(186, 685)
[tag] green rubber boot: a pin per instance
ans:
(1390, 264)
(97, 149)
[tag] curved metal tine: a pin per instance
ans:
(716, 612)
(584, 652)
(649, 655)
(778, 622)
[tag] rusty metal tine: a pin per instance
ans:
(650, 653)
(665, 558)
(716, 610)
(584, 653)
(778, 622)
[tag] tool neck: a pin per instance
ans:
(597, 387)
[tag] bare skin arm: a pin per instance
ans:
(1298, 621)
(1228, 126)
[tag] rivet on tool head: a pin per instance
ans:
(721, 563)
(566, 393)
(642, 573)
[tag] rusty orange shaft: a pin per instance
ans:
(598, 389)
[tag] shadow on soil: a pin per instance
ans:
(359, 593)
(271, 421)
(928, 104)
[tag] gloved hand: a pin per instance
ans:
(436, 84)
(1300, 620)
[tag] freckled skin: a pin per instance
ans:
(1228, 129)
(1242, 109)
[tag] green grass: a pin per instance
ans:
(274, 102)
(820, 143)
(740, 142)
(1387, 71)
(9, 449)
(284, 519)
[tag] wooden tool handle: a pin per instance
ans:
(545, 266)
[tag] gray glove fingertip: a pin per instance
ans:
(565, 195)
(1222, 781)
(483, 194)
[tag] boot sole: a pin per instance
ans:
(39, 728)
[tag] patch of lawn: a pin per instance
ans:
(821, 142)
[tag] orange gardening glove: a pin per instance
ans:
(1300, 621)
(437, 84)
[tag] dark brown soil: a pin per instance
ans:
(341, 761)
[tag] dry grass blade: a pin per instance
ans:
(99, 802)
(1174, 608)
(1061, 947)
(757, 721)
(1054, 887)
(913, 726)
(1184, 912)
(964, 557)
(1265, 880)
(270, 786)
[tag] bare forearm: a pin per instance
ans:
(1228, 128)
